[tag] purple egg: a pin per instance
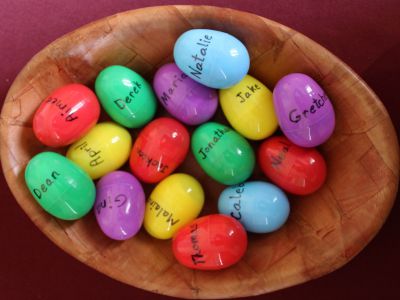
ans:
(305, 113)
(188, 101)
(119, 205)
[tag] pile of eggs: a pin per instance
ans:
(210, 67)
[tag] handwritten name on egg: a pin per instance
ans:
(237, 205)
(277, 158)
(135, 89)
(165, 214)
(161, 167)
(200, 56)
(63, 107)
(47, 183)
(197, 256)
(94, 154)
(243, 96)
(218, 134)
(119, 200)
(295, 116)
(166, 95)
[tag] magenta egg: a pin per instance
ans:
(119, 205)
(305, 113)
(188, 101)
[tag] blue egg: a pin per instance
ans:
(260, 206)
(213, 58)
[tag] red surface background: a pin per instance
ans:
(364, 34)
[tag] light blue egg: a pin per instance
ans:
(260, 206)
(213, 58)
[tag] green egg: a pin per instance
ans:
(222, 153)
(61, 187)
(126, 96)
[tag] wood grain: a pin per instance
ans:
(325, 230)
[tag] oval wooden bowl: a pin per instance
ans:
(324, 231)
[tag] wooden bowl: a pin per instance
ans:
(325, 230)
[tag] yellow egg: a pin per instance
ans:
(105, 148)
(249, 108)
(174, 202)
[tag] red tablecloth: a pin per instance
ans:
(364, 34)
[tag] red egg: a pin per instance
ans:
(66, 115)
(297, 170)
(212, 242)
(159, 149)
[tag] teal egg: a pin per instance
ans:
(260, 206)
(213, 58)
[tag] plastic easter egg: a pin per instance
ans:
(185, 99)
(260, 207)
(119, 205)
(66, 115)
(295, 169)
(249, 108)
(213, 58)
(305, 113)
(61, 187)
(212, 242)
(159, 149)
(222, 153)
(174, 202)
(126, 96)
(103, 149)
